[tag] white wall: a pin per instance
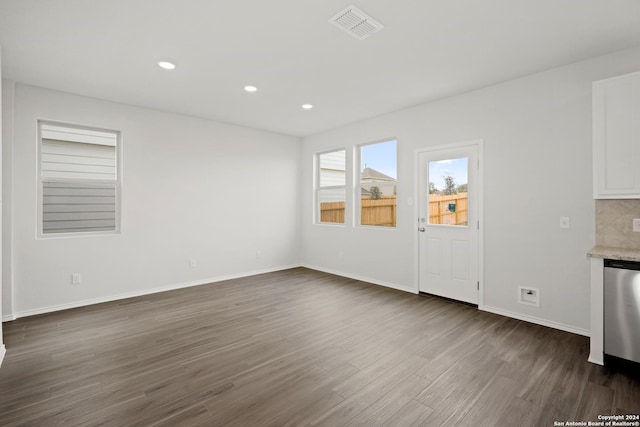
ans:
(537, 168)
(219, 193)
(2, 347)
(7, 196)
(192, 188)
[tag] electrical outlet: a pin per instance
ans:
(193, 263)
(258, 254)
(636, 225)
(76, 279)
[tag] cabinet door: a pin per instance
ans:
(616, 137)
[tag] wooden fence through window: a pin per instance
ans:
(383, 211)
(332, 212)
(380, 211)
(451, 210)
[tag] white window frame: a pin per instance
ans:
(318, 188)
(358, 181)
(41, 180)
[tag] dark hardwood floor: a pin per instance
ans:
(297, 348)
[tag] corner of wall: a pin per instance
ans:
(299, 206)
(6, 276)
(2, 349)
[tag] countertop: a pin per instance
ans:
(608, 252)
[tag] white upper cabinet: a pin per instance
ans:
(616, 137)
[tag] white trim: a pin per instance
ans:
(317, 188)
(8, 256)
(360, 278)
(537, 321)
(390, 285)
(596, 343)
(357, 184)
(42, 124)
(92, 301)
(479, 143)
(596, 360)
(3, 351)
(330, 224)
(82, 134)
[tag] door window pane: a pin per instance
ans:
(448, 192)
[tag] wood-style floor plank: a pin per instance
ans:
(299, 348)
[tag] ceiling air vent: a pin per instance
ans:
(357, 23)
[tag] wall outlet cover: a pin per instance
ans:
(529, 296)
(636, 225)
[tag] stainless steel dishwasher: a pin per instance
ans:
(622, 309)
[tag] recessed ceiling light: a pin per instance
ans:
(307, 106)
(166, 65)
(250, 88)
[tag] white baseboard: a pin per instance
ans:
(361, 278)
(3, 351)
(76, 304)
(597, 360)
(506, 313)
(536, 320)
(110, 298)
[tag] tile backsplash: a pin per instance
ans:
(614, 223)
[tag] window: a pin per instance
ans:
(378, 184)
(79, 180)
(448, 191)
(330, 187)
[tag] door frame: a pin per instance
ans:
(479, 143)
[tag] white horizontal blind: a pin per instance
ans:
(79, 178)
(75, 207)
(87, 136)
(77, 160)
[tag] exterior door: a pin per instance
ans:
(448, 222)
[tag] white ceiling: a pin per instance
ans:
(429, 49)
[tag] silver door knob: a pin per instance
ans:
(421, 229)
